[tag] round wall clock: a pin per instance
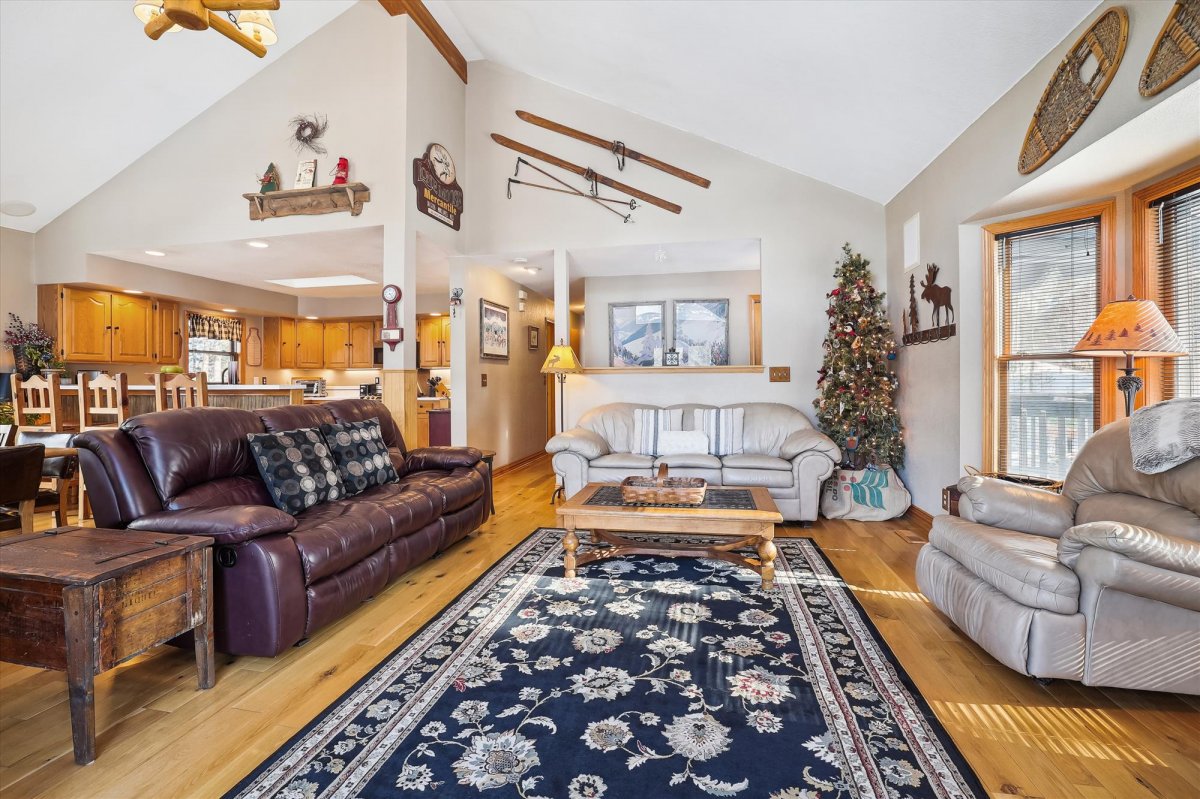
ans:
(391, 293)
(443, 164)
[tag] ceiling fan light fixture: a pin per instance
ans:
(146, 10)
(258, 25)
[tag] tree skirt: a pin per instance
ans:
(642, 677)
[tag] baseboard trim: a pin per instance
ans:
(520, 463)
(920, 516)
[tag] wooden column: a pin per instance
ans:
(400, 397)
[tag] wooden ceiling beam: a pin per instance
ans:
(430, 27)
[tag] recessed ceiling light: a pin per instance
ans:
(134, 291)
(322, 282)
(435, 314)
(262, 245)
(520, 260)
(533, 270)
(155, 253)
(229, 310)
(312, 317)
(17, 208)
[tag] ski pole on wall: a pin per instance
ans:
(594, 196)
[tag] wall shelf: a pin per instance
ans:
(317, 200)
(690, 370)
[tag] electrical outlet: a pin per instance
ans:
(780, 374)
(483, 379)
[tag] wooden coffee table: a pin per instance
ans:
(750, 527)
(83, 600)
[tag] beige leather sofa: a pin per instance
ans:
(1100, 584)
(782, 452)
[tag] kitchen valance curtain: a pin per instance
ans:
(218, 327)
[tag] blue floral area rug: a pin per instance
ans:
(641, 677)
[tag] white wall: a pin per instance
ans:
(599, 292)
(802, 224)
(18, 294)
(940, 399)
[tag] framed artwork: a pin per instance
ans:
(635, 334)
(493, 330)
(702, 332)
(535, 337)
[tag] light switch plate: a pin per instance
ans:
(483, 379)
(780, 374)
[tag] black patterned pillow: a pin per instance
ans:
(361, 456)
(297, 467)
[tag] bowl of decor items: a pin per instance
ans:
(663, 489)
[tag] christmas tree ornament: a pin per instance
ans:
(341, 172)
(269, 180)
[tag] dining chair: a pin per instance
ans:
(39, 397)
(22, 469)
(173, 391)
(7, 431)
(103, 401)
(59, 472)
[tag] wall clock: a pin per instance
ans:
(436, 180)
(391, 334)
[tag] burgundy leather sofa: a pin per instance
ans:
(279, 578)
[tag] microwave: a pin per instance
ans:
(377, 360)
(312, 387)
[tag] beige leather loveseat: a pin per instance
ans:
(1100, 584)
(781, 451)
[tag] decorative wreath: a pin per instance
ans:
(306, 130)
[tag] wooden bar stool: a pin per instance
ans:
(103, 402)
(40, 396)
(180, 391)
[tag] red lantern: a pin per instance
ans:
(341, 172)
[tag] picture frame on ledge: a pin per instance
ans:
(535, 337)
(635, 333)
(701, 332)
(493, 330)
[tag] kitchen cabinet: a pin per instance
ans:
(289, 343)
(423, 409)
(310, 350)
(433, 342)
(168, 336)
(84, 321)
(132, 328)
(337, 345)
(362, 344)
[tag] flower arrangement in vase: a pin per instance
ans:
(32, 347)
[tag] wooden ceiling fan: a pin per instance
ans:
(198, 15)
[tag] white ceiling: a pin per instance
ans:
(534, 270)
(686, 257)
(358, 251)
(84, 92)
(861, 95)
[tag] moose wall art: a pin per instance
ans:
(926, 293)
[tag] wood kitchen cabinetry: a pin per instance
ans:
(433, 342)
(337, 345)
(93, 326)
(315, 344)
(423, 409)
(310, 349)
(362, 344)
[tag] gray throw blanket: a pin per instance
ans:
(1165, 435)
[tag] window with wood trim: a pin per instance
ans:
(1047, 278)
(1167, 270)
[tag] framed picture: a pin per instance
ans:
(535, 337)
(635, 334)
(306, 175)
(493, 330)
(702, 332)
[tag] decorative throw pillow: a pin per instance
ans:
(723, 426)
(682, 442)
(648, 423)
(361, 456)
(1165, 435)
(297, 468)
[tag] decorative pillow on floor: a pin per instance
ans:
(1165, 435)
(361, 456)
(723, 426)
(297, 467)
(648, 425)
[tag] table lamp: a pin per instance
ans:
(1132, 328)
(561, 361)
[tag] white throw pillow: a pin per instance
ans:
(648, 425)
(723, 426)
(682, 442)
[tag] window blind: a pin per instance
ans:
(1047, 291)
(1175, 221)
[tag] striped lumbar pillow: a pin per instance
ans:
(723, 426)
(648, 423)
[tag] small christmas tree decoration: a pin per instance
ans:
(269, 179)
(856, 386)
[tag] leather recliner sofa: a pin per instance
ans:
(1100, 584)
(782, 452)
(278, 578)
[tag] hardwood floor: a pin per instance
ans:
(161, 737)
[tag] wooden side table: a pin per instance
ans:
(488, 456)
(84, 600)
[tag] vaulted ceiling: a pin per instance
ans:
(861, 95)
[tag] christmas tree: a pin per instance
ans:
(856, 386)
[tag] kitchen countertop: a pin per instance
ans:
(214, 387)
(432, 399)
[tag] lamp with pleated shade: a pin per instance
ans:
(561, 361)
(1130, 328)
(258, 25)
(146, 10)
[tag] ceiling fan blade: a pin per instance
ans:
(231, 32)
(158, 25)
(242, 5)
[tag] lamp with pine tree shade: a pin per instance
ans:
(1131, 328)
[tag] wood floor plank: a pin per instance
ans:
(160, 736)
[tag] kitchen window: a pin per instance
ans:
(214, 347)
(1046, 278)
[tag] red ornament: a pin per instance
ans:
(341, 173)
(836, 292)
